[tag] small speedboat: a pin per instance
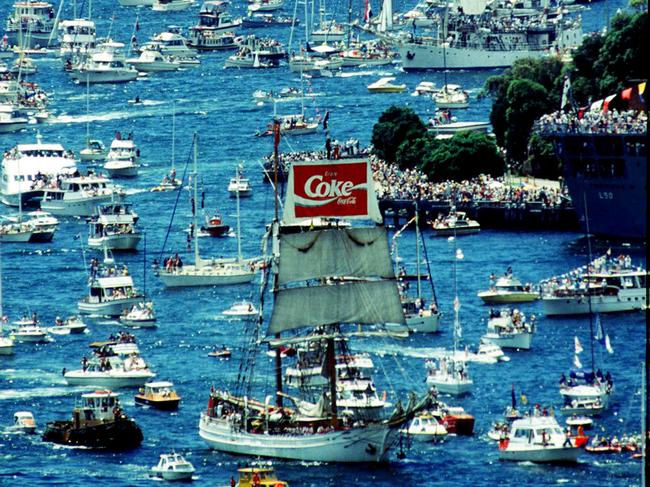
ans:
(173, 466)
(454, 224)
(243, 308)
(385, 85)
(30, 333)
(71, 325)
(425, 427)
(24, 422)
(223, 352)
(6, 346)
(575, 421)
(141, 314)
(214, 226)
(259, 476)
(159, 395)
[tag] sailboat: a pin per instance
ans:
(95, 149)
(6, 344)
(322, 281)
(450, 375)
(208, 272)
(591, 389)
(170, 182)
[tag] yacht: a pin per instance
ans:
(455, 223)
(171, 43)
(110, 290)
(27, 168)
(297, 124)
(173, 466)
(451, 96)
(70, 326)
(94, 151)
(386, 85)
(214, 30)
(140, 315)
(151, 61)
(98, 422)
(10, 121)
(538, 439)
(242, 308)
(328, 31)
(77, 37)
(248, 59)
(508, 289)
(171, 5)
(79, 195)
(136, 3)
(24, 232)
(509, 329)
(29, 333)
(239, 186)
(449, 376)
(30, 24)
(105, 65)
(123, 158)
(114, 226)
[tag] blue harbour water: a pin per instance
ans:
(217, 104)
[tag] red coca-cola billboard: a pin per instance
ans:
(331, 189)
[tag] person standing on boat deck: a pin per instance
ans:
(35, 318)
(567, 439)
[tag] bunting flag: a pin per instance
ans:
(578, 347)
(576, 362)
(608, 345)
(523, 399)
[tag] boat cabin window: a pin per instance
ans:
(520, 433)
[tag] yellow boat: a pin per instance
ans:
(509, 289)
(259, 477)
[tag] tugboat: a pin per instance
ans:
(214, 226)
(98, 423)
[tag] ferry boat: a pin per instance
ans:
(26, 167)
(123, 158)
(538, 439)
(508, 289)
(606, 175)
(79, 195)
(160, 395)
(110, 290)
(173, 466)
(480, 42)
(610, 289)
(98, 423)
(114, 226)
(105, 65)
(30, 25)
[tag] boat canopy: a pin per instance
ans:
(115, 281)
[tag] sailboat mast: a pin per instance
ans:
(591, 314)
(417, 248)
(331, 372)
(87, 107)
(173, 135)
(239, 256)
(456, 302)
(144, 267)
(349, 23)
(196, 195)
(276, 232)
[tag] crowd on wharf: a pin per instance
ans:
(594, 122)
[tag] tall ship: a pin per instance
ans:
(27, 168)
(605, 170)
(30, 25)
(326, 283)
(482, 41)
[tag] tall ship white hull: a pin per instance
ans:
(626, 301)
(369, 444)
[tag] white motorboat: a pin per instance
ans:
(425, 427)
(28, 168)
(454, 224)
(23, 66)
(583, 407)
(449, 128)
(136, 3)
(123, 158)
(110, 290)
(386, 85)
(300, 63)
(248, 60)
(10, 121)
(265, 5)
(296, 124)
(214, 30)
(171, 5)
(42, 220)
(451, 96)
(24, 422)
(78, 196)
(239, 186)
(151, 61)
(538, 439)
(29, 333)
(23, 232)
(425, 88)
(208, 272)
(77, 37)
(113, 372)
(449, 376)
(114, 226)
(105, 65)
(70, 326)
(171, 43)
(242, 308)
(614, 289)
(6, 346)
(508, 289)
(328, 31)
(576, 421)
(173, 466)
(509, 329)
(141, 315)
(30, 25)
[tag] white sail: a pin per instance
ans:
(386, 16)
(345, 252)
(374, 302)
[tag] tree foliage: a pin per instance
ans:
(396, 126)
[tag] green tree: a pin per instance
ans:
(542, 161)
(397, 125)
(411, 153)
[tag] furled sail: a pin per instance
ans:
(366, 302)
(346, 252)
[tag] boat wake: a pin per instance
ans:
(37, 392)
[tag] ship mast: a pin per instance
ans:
(276, 232)
(197, 259)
